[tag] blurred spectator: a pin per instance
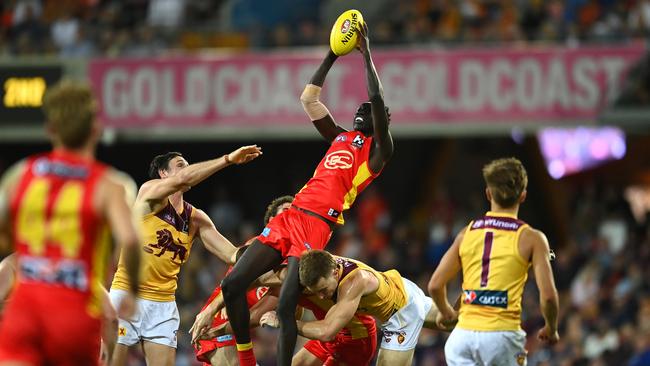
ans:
(65, 30)
(166, 13)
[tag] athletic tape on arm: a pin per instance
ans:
(311, 103)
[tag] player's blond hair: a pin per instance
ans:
(70, 110)
(507, 179)
(315, 264)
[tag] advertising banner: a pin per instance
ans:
(509, 86)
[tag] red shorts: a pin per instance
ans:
(344, 349)
(47, 325)
(293, 231)
(209, 345)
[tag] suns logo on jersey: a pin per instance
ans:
(260, 292)
(340, 159)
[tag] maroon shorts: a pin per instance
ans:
(345, 350)
(294, 231)
(46, 325)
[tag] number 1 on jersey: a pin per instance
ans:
(485, 262)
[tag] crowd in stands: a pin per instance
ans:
(86, 28)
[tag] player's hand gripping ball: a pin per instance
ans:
(344, 37)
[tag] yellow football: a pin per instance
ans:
(343, 38)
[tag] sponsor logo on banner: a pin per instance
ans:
(497, 299)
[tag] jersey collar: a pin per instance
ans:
(500, 214)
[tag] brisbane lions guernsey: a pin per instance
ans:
(340, 176)
(494, 273)
(60, 240)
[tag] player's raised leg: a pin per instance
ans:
(257, 260)
(286, 312)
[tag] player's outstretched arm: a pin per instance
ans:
(349, 296)
(200, 328)
(383, 139)
(448, 268)
(159, 189)
(214, 242)
(548, 297)
(315, 109)
(118, 211)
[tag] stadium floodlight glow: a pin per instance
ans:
(573, 150)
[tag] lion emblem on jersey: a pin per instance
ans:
(166, 243)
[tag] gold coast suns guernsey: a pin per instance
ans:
(341, 175)
(166, 243)
(389, 297)
(62, 242)
(494, 274)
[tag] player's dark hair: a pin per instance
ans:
(315, 264)
(272, 208)
(161, 162)
(506, 179)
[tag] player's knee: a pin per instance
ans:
(231, 286)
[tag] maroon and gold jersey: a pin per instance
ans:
(340, 176)
(60, 239)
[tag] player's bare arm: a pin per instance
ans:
(447, 269)
(383, 149)
(315, 109)
(548, 297)
(201, 327)
(114, 203)
(8, 184)
(349, 296)
(212, 239)
(265, 306)
(153, 194)
(7, 277)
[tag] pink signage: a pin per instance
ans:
(421, 87)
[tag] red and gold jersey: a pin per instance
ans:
(60, 239)
(340, 176)
(253, 296)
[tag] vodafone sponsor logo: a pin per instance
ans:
(341, 159)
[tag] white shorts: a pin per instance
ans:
(502, 348)
(401, 331)
(153, 321)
